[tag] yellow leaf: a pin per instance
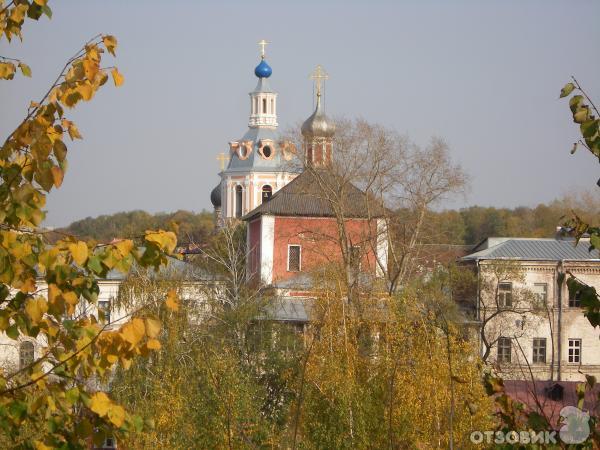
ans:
(172, 301)
(39, 445)
(71, 298)
(28, 285)
(110, 43)
(117, 77)
(153, 344)
(72, 129)
(125, 246)
(36, 308)
(100, 403)
(57, 175)
(79, 251)
(152, 327)
(166, 240)
(133, 331)
(7, 70)
(86, 91)
(90, 68)
(116, 414)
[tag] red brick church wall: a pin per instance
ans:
(318, 238)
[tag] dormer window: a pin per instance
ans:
(266, 151)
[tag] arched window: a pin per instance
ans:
(26, 353)
(264, 105)
(238, 201)
(267, 192)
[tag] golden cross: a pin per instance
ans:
(319, 75)
(262, 44)
(222, 159)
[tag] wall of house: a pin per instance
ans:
(319, 242)
(557, 323)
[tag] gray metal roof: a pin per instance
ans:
(289, 309)
(315, 193)
(534, 250)
(262, 86)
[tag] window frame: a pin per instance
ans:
(536, 350)
(105, 309)
(299, 257)
(545, 294)
(575, 300)
(574, 351)
(501, 345)
(502, 297)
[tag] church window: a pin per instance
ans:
(238, 201)
(294, 258)
(266, 151)
(267, 192)
(264, 102)
(272, 107)
(26, 354)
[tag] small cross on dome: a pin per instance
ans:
(262, 44)
(319, 75)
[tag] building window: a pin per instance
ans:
(541, 292)
(504, 346)
(575, 350)
(575, 299)
(266, 151)
(104, 308)
(539, 350)
(264, 105)
(294, 258)
(266, 193)
(504, 295)
(238, 201)
(26, 354)
(272, 106)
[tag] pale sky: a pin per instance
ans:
(483, 75)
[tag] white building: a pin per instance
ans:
(260, 162)
(531, 326)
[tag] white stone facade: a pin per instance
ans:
(571, 346)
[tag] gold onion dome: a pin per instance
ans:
(318, 125)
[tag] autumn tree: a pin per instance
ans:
(225, 368)
(52, 400)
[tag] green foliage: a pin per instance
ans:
(191, 227)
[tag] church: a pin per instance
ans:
(291, 199)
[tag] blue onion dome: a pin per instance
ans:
(263, 70)
(318, 125)
(215, 196)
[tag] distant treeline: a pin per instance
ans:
(192, 227)
(465, 226)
